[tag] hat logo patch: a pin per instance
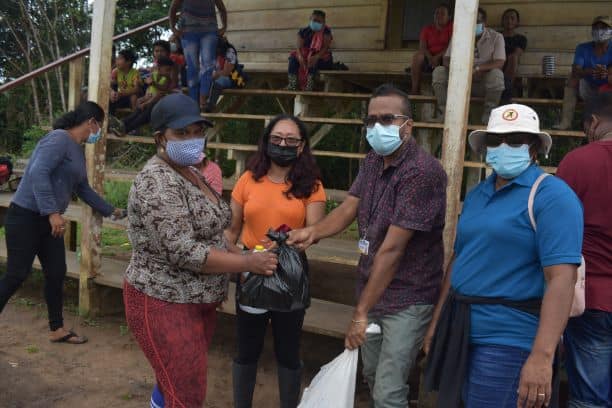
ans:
(510, 115)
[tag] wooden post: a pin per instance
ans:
(102, 28)
(457, 109)
(75, 83)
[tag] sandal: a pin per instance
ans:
(71, 338)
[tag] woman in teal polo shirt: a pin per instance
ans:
(504, 306)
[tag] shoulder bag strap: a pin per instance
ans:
(531, 199)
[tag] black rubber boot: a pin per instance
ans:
(289, 386)
(244, 377)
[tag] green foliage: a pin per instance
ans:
(30, 138)
(116, 192)
(131, 14)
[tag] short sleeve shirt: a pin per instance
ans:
(436, 40)
(266, 206)
(585, 57)
(490, 47)
(126, 82)
(514, 42)
(588, 171)
(409, 194)
(498, 253)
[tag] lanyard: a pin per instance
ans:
(373, 208)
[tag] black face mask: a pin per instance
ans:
(282, 155)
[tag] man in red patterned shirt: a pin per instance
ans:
(399, 201)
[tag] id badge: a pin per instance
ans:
(364, 246)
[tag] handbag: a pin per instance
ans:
(578, 304)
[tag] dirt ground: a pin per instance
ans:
(110, 370)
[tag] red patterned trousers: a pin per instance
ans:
(174, 338)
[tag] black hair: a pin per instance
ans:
(444, 5)
(392, 90)
(319, 13)
(162, 43)
(83, 112)
(483, 12)
(128, 55)
(599, 105)
(164, 62)
(304, 175)
(511, 10)
(223, 45)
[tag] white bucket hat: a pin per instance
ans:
(511, 118)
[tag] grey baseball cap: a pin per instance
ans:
(176, 111)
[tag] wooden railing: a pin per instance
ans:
(74, 56)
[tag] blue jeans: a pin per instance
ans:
(588, 342)
(493, 376)
(200, 51)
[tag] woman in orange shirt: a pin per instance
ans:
(281, 186)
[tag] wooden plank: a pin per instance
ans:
(75, 84)
(294, 18)
(102, 28)
(366, 96)
(456, 115)
(323, 317)
(244, 5)
(285, 39)
(550, 13)
(556, 38)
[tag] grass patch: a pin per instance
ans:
(127, 397)
(117, 192)
(32, 349)
(123, 330)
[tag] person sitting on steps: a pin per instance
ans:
(125, 82)
(487, 75)
(589, 70)
(433, 43)
(515, 47)
(159, 85)
(312, 53)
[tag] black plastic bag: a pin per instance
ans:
(287, 289)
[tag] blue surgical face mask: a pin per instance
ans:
(94, 137)
(315, 25)
(186, 152)
(508, 162)
(173, 47)
(384, 139)
(479, 29)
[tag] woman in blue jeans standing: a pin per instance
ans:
(197, 28)
(507, 295)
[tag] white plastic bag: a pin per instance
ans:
(334, 385)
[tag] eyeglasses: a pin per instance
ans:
(385, 120)
(511, 139)
(289, 141)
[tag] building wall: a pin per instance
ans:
(264, 31)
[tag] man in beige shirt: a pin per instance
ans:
(487, 76)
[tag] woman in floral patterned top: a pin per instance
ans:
(178, 272)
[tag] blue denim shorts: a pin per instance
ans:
(588, 345)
